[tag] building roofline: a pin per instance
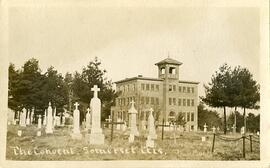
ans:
(191, 82)
(138, 78)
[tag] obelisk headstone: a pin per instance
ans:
(96, 135)
(49, 126)
(133, 125)
(39, 121)
(45, 117)
(23, 118)
(151, 125)
(32, 116)
(76, 134)
(88, 119)
(205, 128)
(28, 117)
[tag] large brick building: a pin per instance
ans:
(167, 95)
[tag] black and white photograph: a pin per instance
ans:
(135, 82)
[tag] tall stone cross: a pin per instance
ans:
(95, 89)
(132, 103)
(151, 125)
(76, 105)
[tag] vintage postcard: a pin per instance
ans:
(135, 83)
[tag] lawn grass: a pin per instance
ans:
(188, 146)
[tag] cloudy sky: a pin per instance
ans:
(129, 41)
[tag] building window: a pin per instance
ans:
(192, 102)
(192, 90)
(124, 101)
(179, 102)
(134, 87)
(184, 89)
(188, 89)
(188, 102)
(170, 87)
(174, 88)
(147, 86)
(174, 101)
(142, 100)
(192, 116)
(157, 87)
(180, 89)
(152, 87)
(188, 116)
(184, 102)
(172, 70)
(162, 71)
(170, 101)
(142, 86)
(147, 100)
(157, 101)
(152, 100)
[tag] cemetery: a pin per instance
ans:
(53, 140)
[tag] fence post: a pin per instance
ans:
(213, 145)
(244, 150)
(250, 137)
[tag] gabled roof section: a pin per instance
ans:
(169, 61)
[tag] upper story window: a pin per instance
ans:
(152, 87)
(147, 86)
(170, 87)
(162, 71)
(184, 89)
(188, 89)
(172, 70)
(142, 86)
(192, 90)
(174, 88)
(180, 89)
(157, 87)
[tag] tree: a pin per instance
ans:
(253, 122)
(248, 96)
(13, 80)
(180, 120)
(239, 118)
(217, 91)
(211, 118)
(92, 75)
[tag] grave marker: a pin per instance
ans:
(133, 126)
(96, 135)
(76, 134)
(88, 119)
(49, 126)
(39, 121)
(23, 118)
(151, 125)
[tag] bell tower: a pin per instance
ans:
(168, 69)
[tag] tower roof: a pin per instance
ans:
(169, 61)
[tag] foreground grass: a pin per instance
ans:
(188, 146)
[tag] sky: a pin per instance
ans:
(129, 41)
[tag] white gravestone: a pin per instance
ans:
(32, 115)
(23, 118)
(143, 124)
(133, 125)
(124, 126)
(150, 142)
(242, 130)
(118, 126)
(88, 120)
(203, 138)
(214, 129)
(76, 134)
(49, 126)
(54, 117)
(151, 125)
(131, 138)
(38, 133)
(57, 121)
(19, 133)
(39, 121)
(205, 128)
(28, 117)
(45, 118)
(96, 135)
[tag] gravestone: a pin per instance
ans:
(131, 138)
(133, 125)
(39, 121)
(258, 133)
(49, 125)
(203, 138)
(96, 135)
(143, 124)
(218, 129)
(150, 142)
(57, 121)
(45, 117)
(23, 118)
(214, 129)
(242, 130)
(76, 134)
(54, 117)
(234, 129)
(28, 117)
(118, 126)
(88, 120)
(19, 133)
(38, 133)
(32, 116)
(124, 126)
(205, 128)
(151, 125)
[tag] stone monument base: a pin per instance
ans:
(153, 136)
(131, 138)
(150, 143)
(76, 136)
(96, 139)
